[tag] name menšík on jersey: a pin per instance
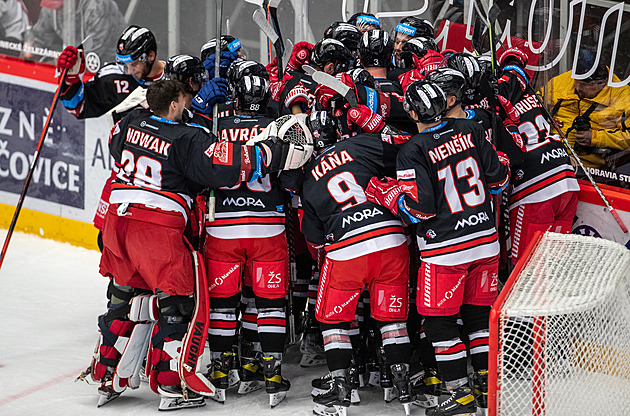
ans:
(457, 144)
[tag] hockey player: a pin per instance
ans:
(444, 175)
(408, 28)
(160, 161)
(246, 251)
(364, 245)
(347, 34)
(543, 193)
(422, 55)
(365, 21)
(116, 88)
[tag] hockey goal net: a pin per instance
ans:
(560, 331)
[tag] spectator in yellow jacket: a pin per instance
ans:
(593, 115)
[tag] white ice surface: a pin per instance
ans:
(51, 295)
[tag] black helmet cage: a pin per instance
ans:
(427, 100)
(252, 93)
(324, 127)
(416, 46)
(376, 49)
(184, 68)
(331, 50)
(451, 81)
(135, 44)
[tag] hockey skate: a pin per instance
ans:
(106, 391)
(400, 376)
(426, 387)
(385, 377)
(219, 375)
(234, 377)
(322, 384)
(174, 398)
(276, 385)
(479, 381)
(251, 376)
(458, 402)
(312, 344)
(335, 400)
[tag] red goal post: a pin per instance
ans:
(560, 330)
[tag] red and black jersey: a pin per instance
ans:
(250, 209)
(446, 173)
(546, 171)
(164, 164)
(109, 87)
(336, 210)
(280, 90)
(388, 103)
(502, 139)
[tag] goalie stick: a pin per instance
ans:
(86, 44)
(495, 11)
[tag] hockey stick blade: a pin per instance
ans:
(261, 21)
(274, 3)
(258, 3)
(336, 85)
(308, 70)
(288, 50)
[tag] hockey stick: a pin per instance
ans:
(212, 201)
(271, 6)
(336, 85)
(290, 229)
(40, 143)
(495, 12)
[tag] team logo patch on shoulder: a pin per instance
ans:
(222, 153)
(210, 150)
(406, 174)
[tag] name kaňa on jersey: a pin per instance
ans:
(329, 162)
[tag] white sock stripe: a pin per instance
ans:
(393, 327)
(222, 332)
(272, 329)
(480, 349)
(450, 357)
(355, 331)
(274, 314)
(335, 331)
(397, 340)
(252, 326)
(337, 346)
(479, 334)
(447, 344)
(215, 316)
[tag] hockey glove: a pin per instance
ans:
(272, 70)
(212, 92)
(300, 56)
(365, 118)
(514, 56)
(297, 96)
(227, 57)
(429, 62)
(503, 158)
(71, 59)
(385, 193)
(324, 94)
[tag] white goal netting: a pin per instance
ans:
(564, 331)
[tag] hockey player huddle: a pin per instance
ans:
(386, 201)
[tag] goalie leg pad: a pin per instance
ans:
(389, 302)
(270, 279)
(224, 278)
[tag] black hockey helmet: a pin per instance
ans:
(416, 46)
(450, 80)
(345, 33)
(252, 93)
(414, 27)
(485, 65)
(376, 48)
(184, 68)
(361, 77)
(365, 20)
(324, 127)
(135, 43)
(241, 67)
(469, 67)
(427, 100)
(228, 43)
(331, 50)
